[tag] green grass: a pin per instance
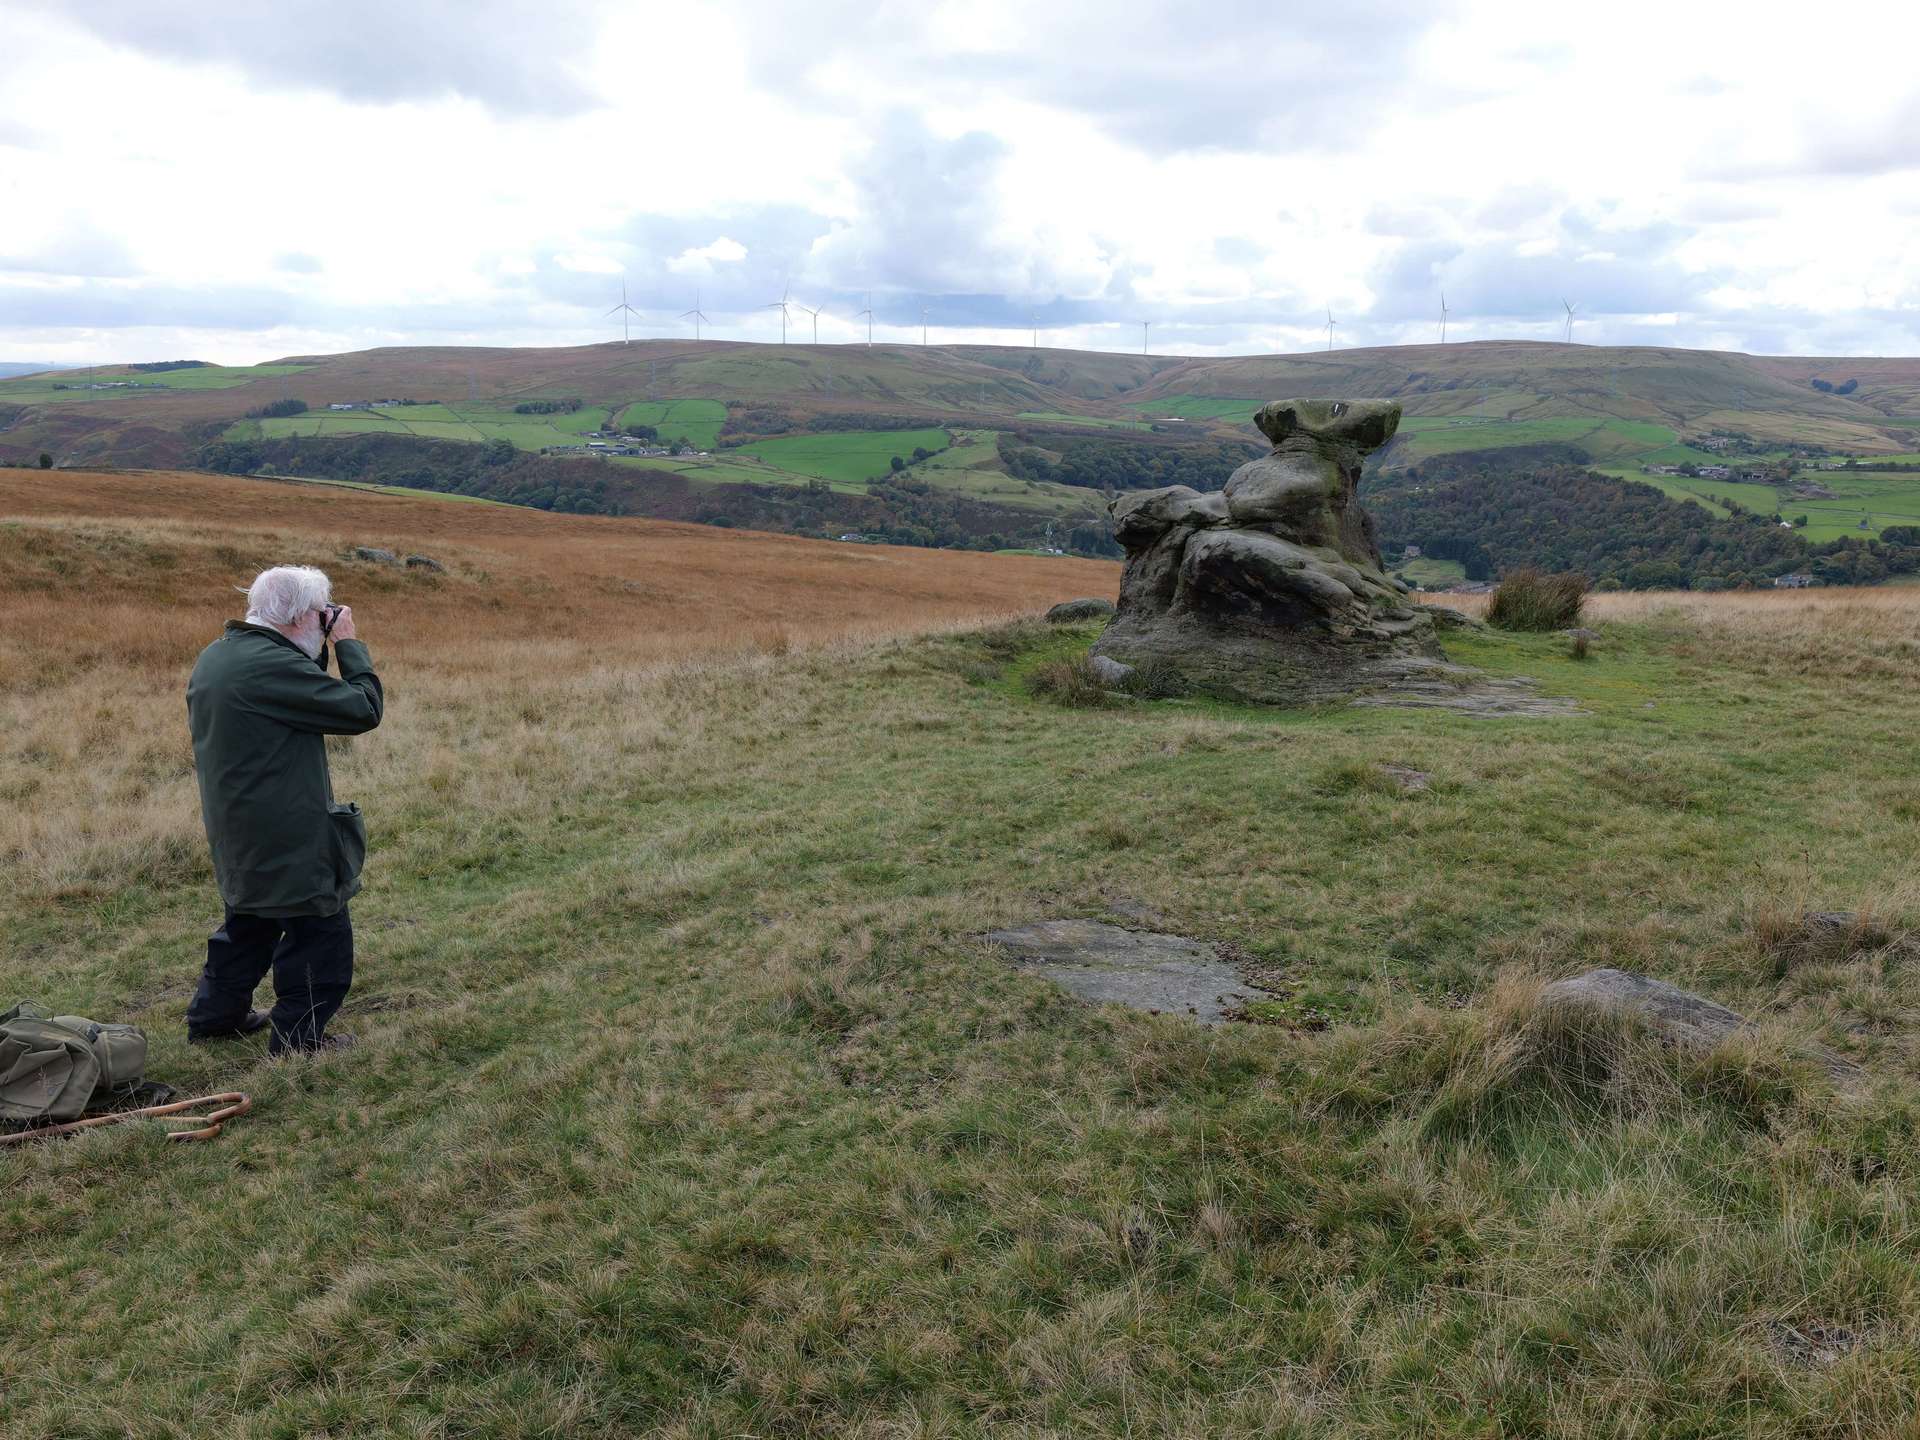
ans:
(473, 423)
(1198, 407)
(971, 467)
(697, 422)
(688, 1102)
(1430, 573)
(39, 390)
(1102, 422)
(848, 457)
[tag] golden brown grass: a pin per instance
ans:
(544, 650)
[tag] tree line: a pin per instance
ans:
(1497, 511)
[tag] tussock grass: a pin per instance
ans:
(1070, 682)
(1530, 599)
(688, 1102)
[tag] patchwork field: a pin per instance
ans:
(449, 421)
(689, 1102)
(971, 467)
(697, 422)
(844, 457)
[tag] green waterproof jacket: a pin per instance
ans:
(260, 710)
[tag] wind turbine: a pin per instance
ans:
(816, 321)
(623, 310)
(1145, 326)
(1331, 322)
(697, 315)
(1570, 310)
(1035, 318)
(868, 312)
(923, 327)
(1443, 317)
(781, 306)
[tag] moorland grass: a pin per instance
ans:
(688, 1102)
(1532, 600)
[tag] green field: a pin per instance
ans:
(722, 469)
(1881, 499)
(849, 457)
(971, 467)
(1198, 407)
(471, 423)
(39, 389)
(697, 422)
(1620, 442)
(1431, 574)
(1100, 422)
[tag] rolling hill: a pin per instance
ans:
(756, 418)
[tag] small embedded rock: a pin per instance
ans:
(1407, 778)
(374, 555)
(1678, 1014)
(1074, 612)
(1109, 671)
(425, 562)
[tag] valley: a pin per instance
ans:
(987, 447)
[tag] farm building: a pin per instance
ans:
(1799, 580)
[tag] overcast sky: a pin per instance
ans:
(234, 180)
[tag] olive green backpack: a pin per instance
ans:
(55, 1068)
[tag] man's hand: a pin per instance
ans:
(343, 625)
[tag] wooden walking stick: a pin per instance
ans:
(230, 1104)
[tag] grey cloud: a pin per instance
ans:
(1834, 143)
(1492, 280)
(928, 215)
(1518, 205)
(74, 249)
(107, 306)
(507, 55)
(1251, 75)
(295, 262)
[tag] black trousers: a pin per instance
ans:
(311, 957)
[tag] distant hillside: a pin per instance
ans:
(1082, 425)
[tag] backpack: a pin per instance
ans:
(55, 1069)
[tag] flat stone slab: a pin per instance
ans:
(1439, 685)
(1164, 974)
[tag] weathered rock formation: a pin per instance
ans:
(1271, 589)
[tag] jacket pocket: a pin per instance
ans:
(349, 848)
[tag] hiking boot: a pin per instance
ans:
(255, 1021)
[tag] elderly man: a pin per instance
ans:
(287, 858)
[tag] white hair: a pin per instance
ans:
(282, 595)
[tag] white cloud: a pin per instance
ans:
(585, 263)
(701, 261)
(1673, 174)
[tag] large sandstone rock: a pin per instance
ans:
(1271, 589)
